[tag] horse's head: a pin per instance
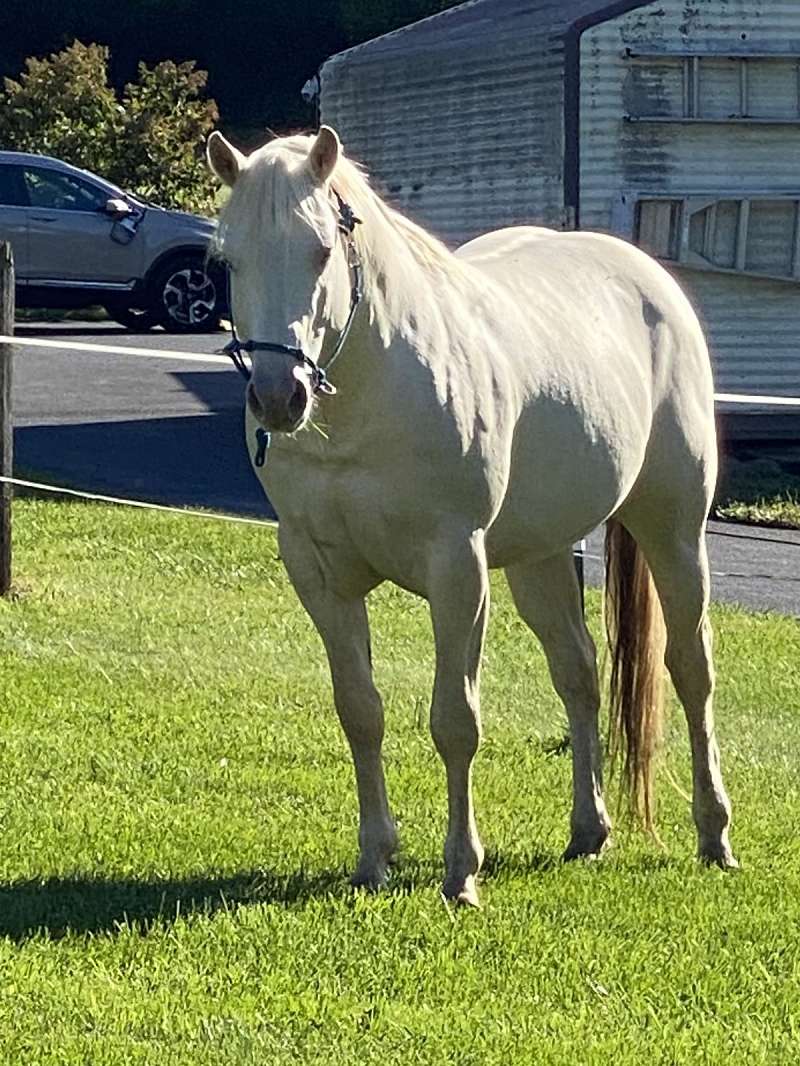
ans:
(280, 235)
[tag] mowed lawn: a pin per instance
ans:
(178, 819)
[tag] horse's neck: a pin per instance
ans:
(397, 350)
(414, 289)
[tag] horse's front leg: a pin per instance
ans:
(343, 625)
(458, 592)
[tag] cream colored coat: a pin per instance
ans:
(493, 407)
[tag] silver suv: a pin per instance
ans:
(79, 240)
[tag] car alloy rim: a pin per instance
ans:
(189, 296)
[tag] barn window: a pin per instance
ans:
(696, 88)
(756, 235)
(658, 227)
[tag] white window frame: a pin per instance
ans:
(624, 222)
(692, 63)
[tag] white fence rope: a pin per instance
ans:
(115, 349)
(578, 553)
(144, 504)
(160, 353)
(756, 399)
(752, 400)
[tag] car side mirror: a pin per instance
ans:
(116, 207)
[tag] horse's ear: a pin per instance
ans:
(324, 154)
(226, 161)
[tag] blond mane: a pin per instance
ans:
(279, 186)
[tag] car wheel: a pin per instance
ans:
(187, 295)
(136, 319)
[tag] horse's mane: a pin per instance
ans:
(279, 186)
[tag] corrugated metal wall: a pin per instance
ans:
(460, 120)
(459, 117)
(753, 323)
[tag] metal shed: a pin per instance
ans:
(674, 124)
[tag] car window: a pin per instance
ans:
(12, 189)
(62, 192)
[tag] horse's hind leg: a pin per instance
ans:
(547, 597)
(679, 564)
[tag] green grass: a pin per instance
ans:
(27, 315)
(178, 818)
(761, 490)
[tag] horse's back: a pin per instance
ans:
(593, 268)
(602, 310)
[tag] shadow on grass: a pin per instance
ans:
(57, 906)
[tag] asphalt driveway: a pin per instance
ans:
(171, 431)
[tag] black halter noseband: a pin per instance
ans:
(319, 379)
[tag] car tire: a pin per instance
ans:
(186, 295)
(135, 319)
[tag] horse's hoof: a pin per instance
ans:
(714, 849)
(722, 858)
(587, 848)
(464, 894)
(370, 880)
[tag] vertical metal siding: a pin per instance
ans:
(753, 324)
(461, 124)
(460, 120)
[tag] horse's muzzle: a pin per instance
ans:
(280, 414)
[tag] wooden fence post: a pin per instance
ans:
(6, 427)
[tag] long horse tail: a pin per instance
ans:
(636, 639)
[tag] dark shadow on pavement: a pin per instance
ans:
(194, 461)
(219, 391)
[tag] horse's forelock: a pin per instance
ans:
(275, 187)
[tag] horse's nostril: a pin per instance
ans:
(297, 403)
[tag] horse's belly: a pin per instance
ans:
(564, 481)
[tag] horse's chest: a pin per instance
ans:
(362, 522)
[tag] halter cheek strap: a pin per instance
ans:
(319, 380)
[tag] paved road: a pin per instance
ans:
(171, 432)
(159, 430)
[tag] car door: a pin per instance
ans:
(71, 237)
(14, 216)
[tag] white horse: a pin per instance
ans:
(492, 406)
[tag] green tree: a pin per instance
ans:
(164, 123)
(63, 106)
(148, 141)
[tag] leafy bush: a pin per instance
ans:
(165, 123)
(148, 141)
